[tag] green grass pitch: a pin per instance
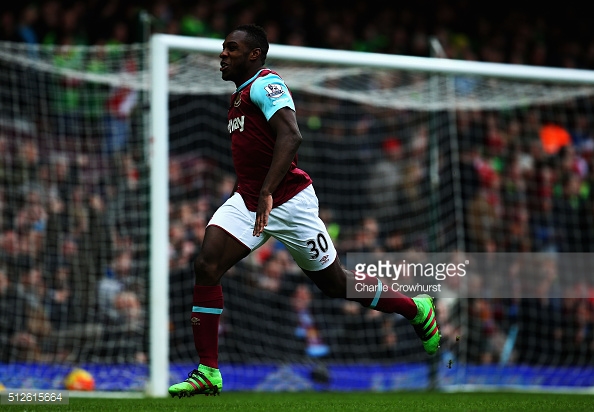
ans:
(325, 402)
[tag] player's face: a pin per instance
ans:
(237, 58)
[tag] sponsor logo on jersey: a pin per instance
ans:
(324, 259)
(195, 321)
(236, 123)
(274, 91)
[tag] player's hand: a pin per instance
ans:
(264, 208)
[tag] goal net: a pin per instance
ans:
(110, 172)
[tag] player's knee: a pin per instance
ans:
(331, 281)
(205, 271)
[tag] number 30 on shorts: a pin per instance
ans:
(317, 244)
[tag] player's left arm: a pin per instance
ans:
(288, 140)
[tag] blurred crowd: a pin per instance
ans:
(495, 32)
(68, 280)
(74, 216)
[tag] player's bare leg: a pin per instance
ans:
(332, 281)
(420, 311)
(220, 251)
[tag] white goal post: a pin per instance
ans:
(160, 47)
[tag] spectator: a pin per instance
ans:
(129, 218)
(101, 246)
(49, 27)
(582, 137)
(72, 339)
(67, 103)
(546, 313)
(119, 277)
(93, 109)
(12, 317)
(306, 328)
(8, 27)
(16, 259)
(482, 334)
(65, 174)
(368, 336)
(569, 210)
(470, 183)
(484, 215)
(29, 342)
(59, 299)
(542, 219)
(384, 180)
(71, 26)
(27, 23)
(578, 335)
(196, 21)
(413, 216)
(121, 103)
(33, 215)
(366, 238)
(24, 171)
(123, 339)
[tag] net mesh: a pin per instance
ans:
(401, 161)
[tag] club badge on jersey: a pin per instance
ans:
(237, 101)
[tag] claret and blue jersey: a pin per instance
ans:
(253, 140)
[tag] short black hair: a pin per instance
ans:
(256, 37)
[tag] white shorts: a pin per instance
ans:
(295, 224)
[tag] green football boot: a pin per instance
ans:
(425, 323)
(202, 381)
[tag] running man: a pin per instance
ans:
(273, 197)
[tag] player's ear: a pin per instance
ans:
(255, 54)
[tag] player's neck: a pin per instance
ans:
(249, 75)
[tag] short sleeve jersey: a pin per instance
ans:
(252, 138)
